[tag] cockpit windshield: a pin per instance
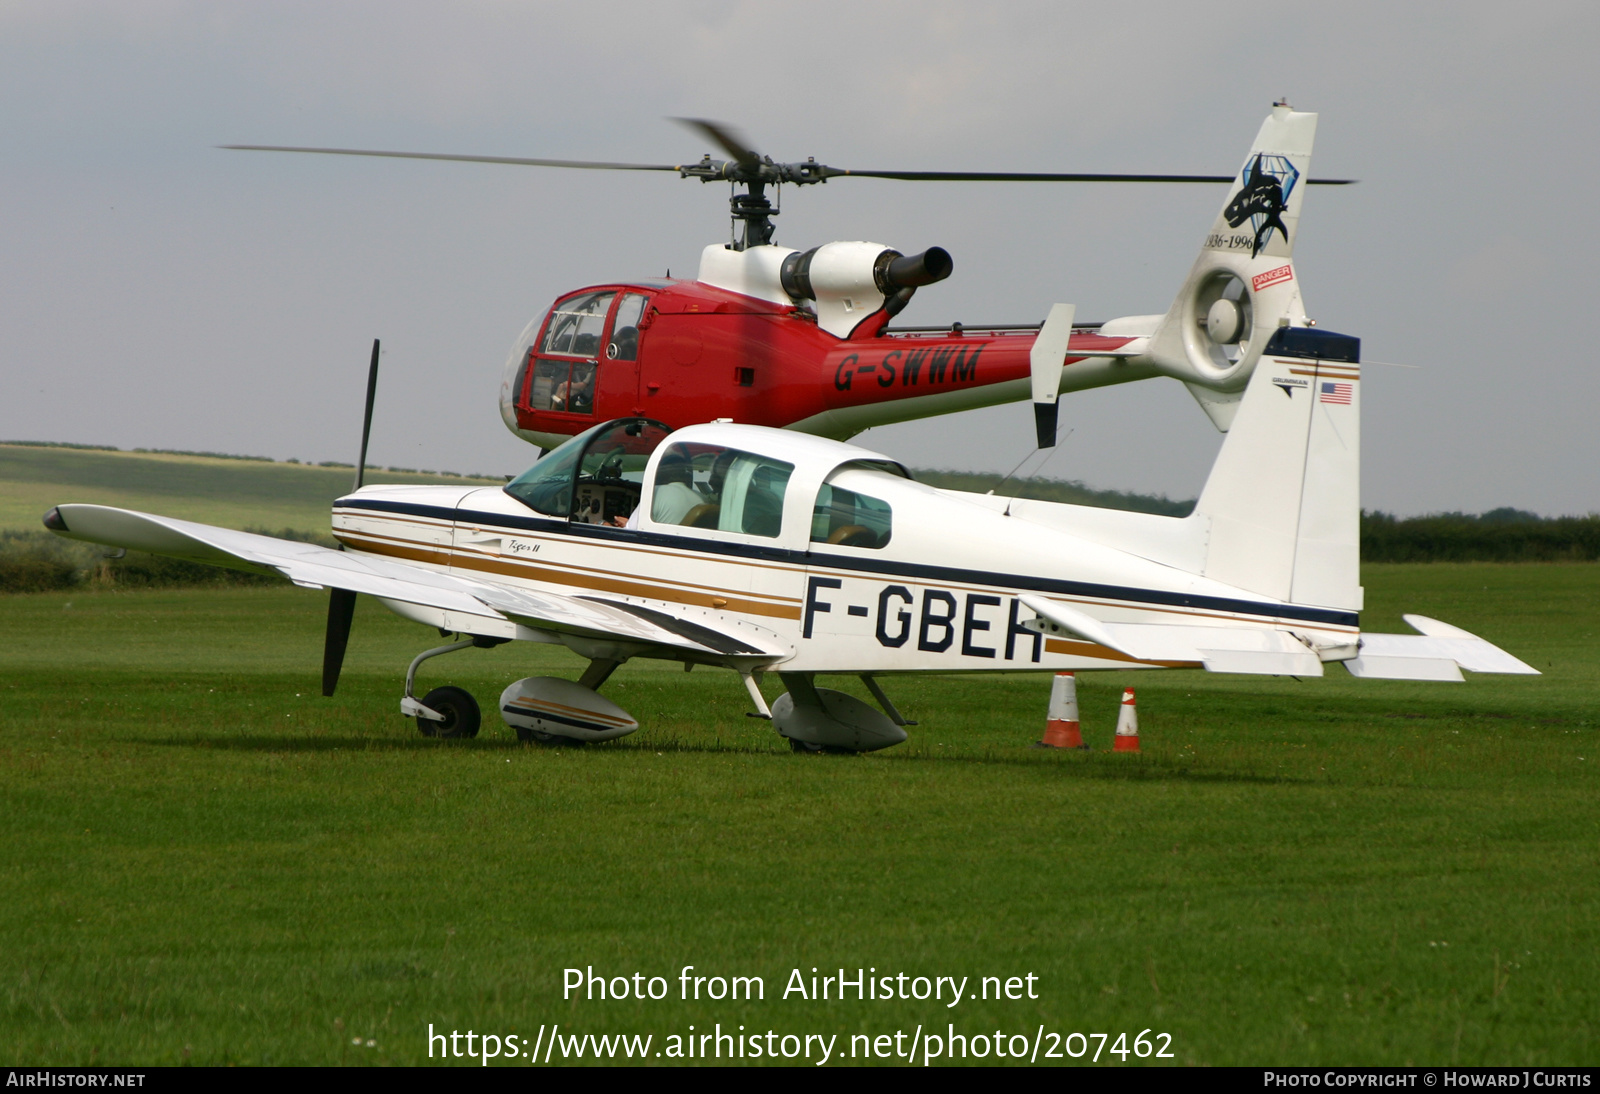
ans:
(596, 477)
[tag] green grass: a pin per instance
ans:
(208, 863)
(230, 492)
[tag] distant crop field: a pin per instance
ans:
(230, 492)
(206, 862)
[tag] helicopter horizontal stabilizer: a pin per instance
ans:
(1045, 358)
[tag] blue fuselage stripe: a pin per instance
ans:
(872, 566)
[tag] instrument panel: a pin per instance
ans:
(604, 503)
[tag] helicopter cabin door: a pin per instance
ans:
(585, 367)
(562, 366)
(619, 365)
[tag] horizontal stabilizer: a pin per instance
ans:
(1378, 667)
(1263, 662)
(1056, 618)
(1438, 653)
(1218, 649)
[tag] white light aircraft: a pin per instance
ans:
(769, 551)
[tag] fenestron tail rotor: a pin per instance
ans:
(751, 173)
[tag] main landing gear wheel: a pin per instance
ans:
(540, 737)
(460, 710)
(807, 748)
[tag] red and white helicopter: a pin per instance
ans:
(770, 335)
(763, 550)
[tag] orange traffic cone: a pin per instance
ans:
(1061, 730)
(1127, 725)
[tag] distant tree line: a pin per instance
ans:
(248, 459)
(1500, 535)
(1070, 492)
(33, 561)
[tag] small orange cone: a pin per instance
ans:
(1061, 730)
(1127, 725)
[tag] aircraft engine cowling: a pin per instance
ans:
(849, 282)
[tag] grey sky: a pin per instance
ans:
(158, 292)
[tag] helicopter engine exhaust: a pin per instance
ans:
(850, 281)
(914, 271)
(850, 267)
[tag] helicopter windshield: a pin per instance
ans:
(594, 478)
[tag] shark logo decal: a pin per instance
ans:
(1268, 182)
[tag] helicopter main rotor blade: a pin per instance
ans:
(1041, 176)
(583, 165)
(726, 137)
(796, 173)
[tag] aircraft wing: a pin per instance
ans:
(315, 567)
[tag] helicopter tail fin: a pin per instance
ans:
(1242, 288)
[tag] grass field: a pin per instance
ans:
(234, 493)
(208, 863)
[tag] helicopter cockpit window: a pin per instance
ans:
(574, 330)
(624, 344)
(576, 325)
(709, 486)
(595, 478)
(845, 518)
(563, 385)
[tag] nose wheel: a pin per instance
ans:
(447, 712)
(460, 716)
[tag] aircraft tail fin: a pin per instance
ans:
(1242, 288)
(1283, 502)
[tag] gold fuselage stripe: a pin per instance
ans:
(721, 599)
(730, 601)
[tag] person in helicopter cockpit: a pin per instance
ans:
(579, 391)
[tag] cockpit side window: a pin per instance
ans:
(846, 518)
(624, 344)
(710, 486)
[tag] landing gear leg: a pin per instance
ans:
(447, 711)
(754, 688)
(883, 700)
(598, 672)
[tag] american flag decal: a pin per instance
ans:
(1335, 393)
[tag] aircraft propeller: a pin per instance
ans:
(342, 602)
